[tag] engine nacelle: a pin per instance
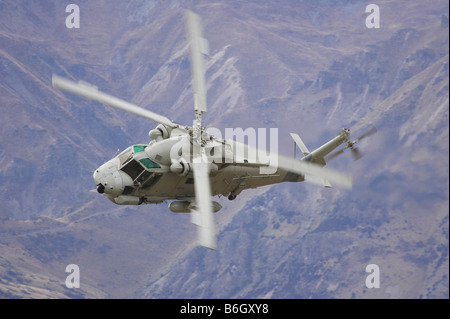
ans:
(161, 132)
(165, 150)
(180, 167)
(183, 168)
(183, 206)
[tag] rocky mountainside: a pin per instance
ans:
(310, 67)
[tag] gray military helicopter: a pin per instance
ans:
(187, 165)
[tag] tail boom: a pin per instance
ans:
(318, 155)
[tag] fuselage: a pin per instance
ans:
(145, 174)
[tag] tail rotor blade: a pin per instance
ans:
(371, 131)
(356, 154)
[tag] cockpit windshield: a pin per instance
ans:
(134, 161)
(139, 148)
(146, 161)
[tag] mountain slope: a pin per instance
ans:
(310, 67)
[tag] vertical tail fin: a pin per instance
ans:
(298, 141)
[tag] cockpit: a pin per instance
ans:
(135, 162)
(127, 178)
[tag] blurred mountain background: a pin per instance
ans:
(310, 67)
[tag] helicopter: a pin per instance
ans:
(187, 165)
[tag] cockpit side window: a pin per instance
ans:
(133, 169)
(148, 163)
(125, 156)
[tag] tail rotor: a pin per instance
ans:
(356, 153)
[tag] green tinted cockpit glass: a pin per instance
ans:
(138, 148)
(148, 163)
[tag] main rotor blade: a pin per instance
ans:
(91, 92)
(198, 47)
(311, 170)
(205, 218)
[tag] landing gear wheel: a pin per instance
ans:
(231, 197)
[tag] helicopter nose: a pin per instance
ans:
(109, 183)
(108, 179)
